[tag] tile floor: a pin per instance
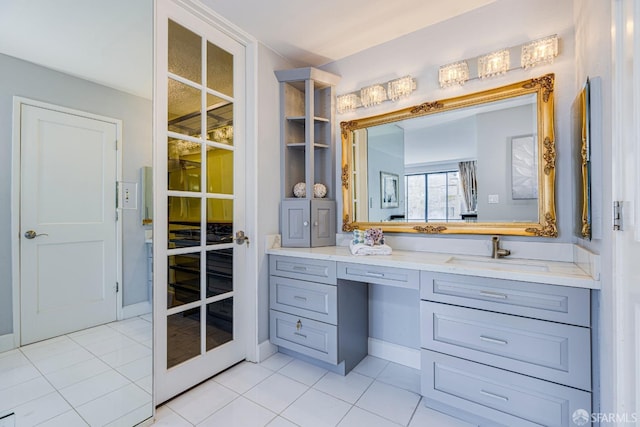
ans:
(98, 377)
(284, 392)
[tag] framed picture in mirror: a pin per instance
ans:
(389, 185)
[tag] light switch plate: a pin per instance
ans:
(493, 199)
(128, 195)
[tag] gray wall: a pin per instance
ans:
(25, 79)
(385, 153)
(495, 130)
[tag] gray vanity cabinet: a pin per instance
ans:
(308, 222)
(315, 317)
(508, 352)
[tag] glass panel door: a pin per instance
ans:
(201, 298)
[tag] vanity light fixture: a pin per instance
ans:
(493, 64)
(347, 103)
(538, 52)
(454, 74)
(400, 88)
(375, 94)
(526, 55)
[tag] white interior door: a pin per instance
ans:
(626, 188)
(67, 223)
(200, 290)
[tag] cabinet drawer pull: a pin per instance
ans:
(374, 274)
(299, 298)
(493, 294)
(494, 396)
(493, 340)
(299, 268)
(300, 335)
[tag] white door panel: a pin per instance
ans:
(68, 174)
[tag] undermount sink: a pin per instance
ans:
(499, 264)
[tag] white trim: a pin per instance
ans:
(7, 342)
(265, 350)
(395, 353)
(18, 101)
(134, 310)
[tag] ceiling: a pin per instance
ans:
(110, 41)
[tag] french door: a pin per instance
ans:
(200, 293)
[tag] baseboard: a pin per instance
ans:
(134, 310)
(7, 342)
(265, 350)
(395, 353)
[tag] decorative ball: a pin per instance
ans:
(319, 190)
(300, 189)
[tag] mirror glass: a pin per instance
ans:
(473, 164)
(94, 58)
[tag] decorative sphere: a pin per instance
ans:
(319, 190)
(300, 189)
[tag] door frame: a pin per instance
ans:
(16, 183)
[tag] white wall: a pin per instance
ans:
(268, 167)
(385, 153)
(25, 79)
(500, 24)
(445, 143)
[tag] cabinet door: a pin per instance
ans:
(295, 223)
(323, 222)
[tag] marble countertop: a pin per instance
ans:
(549, 272)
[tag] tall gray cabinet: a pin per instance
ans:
(307, 131)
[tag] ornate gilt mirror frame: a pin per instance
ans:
(543, 87)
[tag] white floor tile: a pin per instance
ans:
(45, 350)
(243, 376)
(147, 317)
(141, 335)
(316, 409)
(240, 412)
(95, 335)
(24, 392)
(401, 376)
(348, 388)
(12, 359)
(134, 417)
(146, 383)
(276, 392)
(108, 345)
(427, 416)
(67, 419)
(276, 362)
(303, 372)
(199, 403)
(371, 366)
(114, 405)
(131, 326)
(390, 402)
(41, 409)
(281, 422)
(76, 373)
(360, 418)
(18, 375)
(165, 417)
(125, 355)
(94, 387)
(137, 369)
(62, 360)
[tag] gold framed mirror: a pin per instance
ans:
(482, 163)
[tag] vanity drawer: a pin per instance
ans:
(303, 268)
(504, 397)
(313, 300)
(400, 277)
(548, 302)
(306, 336)
(552, 351)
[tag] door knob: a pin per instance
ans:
(241, 238)
(30, 234)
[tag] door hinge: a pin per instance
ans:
(117, 287)
(617, 216)
(117, 216)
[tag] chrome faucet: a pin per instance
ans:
(497, 252)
